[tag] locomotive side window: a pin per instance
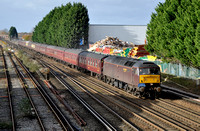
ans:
(135, 71)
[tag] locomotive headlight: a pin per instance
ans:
(158, 89)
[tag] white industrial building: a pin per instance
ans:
(131, 33)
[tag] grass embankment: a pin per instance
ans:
(185, 84)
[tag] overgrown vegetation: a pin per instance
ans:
(64, 26)
(5, 125)
(174, 32)
(33, 65)
(25, 107)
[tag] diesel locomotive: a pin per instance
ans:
(138, 77)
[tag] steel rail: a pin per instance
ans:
(85, 104)
(151, 112)
(134, 114)
(164, 118)
(22, 80)
(9, 91)
(184, 95)
(55, 109)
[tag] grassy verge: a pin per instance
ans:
(185, 84)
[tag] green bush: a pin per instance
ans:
(25, 107)
(5, 125)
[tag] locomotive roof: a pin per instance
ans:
(130, 62)
(92, 55)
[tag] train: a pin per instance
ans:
(138, 77)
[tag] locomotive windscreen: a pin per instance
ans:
(149, 71)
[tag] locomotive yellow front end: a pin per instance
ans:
(149, 78)
(149, 81)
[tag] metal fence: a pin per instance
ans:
(179, 70)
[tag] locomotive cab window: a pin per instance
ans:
(148, 71)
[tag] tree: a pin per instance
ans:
(64, 26)
(174, 32)
(13, 33)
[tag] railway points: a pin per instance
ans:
(165, 113)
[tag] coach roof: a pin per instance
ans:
(92, 55)
(74, 51)
(55, 47)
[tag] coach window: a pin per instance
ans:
(88, 61)
(96, 63)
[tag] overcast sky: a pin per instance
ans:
(25, 14)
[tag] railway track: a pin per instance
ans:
(184, 95)
(61, 118)
(95, 108)
(138, 117)
(25, 86)
(7, 117)
(175, 121)
(159, 114)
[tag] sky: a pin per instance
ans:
(26, 14)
